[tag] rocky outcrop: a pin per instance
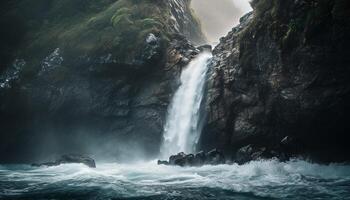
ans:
(91, 76)
(213, 157)
(70, 159)
(282, 73)
(185, 22)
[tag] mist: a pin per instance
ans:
(218, 17)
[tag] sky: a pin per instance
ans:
(219, 16)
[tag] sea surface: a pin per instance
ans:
(256, 180)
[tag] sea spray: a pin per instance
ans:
(256, 180)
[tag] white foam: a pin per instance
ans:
(263, 178)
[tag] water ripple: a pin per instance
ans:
(256, 180)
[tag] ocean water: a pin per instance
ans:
(256, 180)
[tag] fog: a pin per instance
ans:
(219, 16)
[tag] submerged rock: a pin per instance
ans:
(69, 159)
(163, 162)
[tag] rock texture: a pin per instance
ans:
(213, 157)
(93, 76)
(280, 83)
(185, 22)
(70, 159)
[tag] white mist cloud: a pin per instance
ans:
(243, 5)
(219, 16)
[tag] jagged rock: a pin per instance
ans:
(189, 160)
(184, 22)
(199, 158)
(290, 147)
(250, 153)
(214, 157)
(284, 70)
(178, 159)
(69, 159)
(243, 155)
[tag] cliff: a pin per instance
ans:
(280, 83)
(90, 76)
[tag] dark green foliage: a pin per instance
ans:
(80, 27)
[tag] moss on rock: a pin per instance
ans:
(90, 28)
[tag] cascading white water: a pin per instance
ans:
(182, 129)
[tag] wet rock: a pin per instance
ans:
(189, 160)
(243, 155)
(163, 162)
(178, 159)
(214, 157)
(290, 147)
(11, 75)
(250, 153)
(69, 159)
(199, 158)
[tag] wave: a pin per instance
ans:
(295, 179)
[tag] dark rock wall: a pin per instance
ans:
(185, 22)
(284, 71)
(72, 90)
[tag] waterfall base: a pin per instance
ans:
(213, 157)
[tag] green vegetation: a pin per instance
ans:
(87, 27)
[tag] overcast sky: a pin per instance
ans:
(219, 16)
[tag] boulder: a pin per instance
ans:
(178, 159)
(69, 159)
(213, 157)
(249, 153)
(163, 162)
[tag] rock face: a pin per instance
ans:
(90, 76)
(70, 159)
(213, 157)
(185, 22)
(280, 83)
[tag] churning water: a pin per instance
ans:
(256, 180)
(293, 180)
(182, 129)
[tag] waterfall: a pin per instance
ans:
(182, 128)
